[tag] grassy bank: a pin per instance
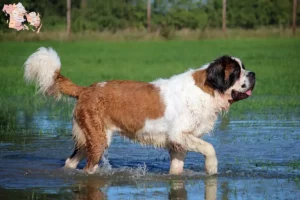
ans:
(275, 61)
(142, 35)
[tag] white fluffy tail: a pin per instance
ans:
(41, 67)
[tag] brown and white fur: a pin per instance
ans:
(169, 113)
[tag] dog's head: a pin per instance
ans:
(227, 75)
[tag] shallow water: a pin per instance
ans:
(258, 159)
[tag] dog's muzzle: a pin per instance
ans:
(237, 96)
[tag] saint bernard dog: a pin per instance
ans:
(168, 113)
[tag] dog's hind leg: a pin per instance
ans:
(78, 155)
(80, 149)
(96, 143)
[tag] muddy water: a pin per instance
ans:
(258, 159)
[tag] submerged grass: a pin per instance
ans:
(275, 61)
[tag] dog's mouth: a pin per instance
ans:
(237, 96)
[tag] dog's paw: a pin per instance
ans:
(211, 165)
(71, 164)
(91, 170)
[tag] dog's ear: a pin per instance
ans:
(215, 76)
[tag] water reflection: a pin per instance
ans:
(210, 188)
(95, 190)
(90, 190)
(177, 190)
(257, 159)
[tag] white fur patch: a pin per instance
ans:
(101, 84)
(149, 135)
(40, 68)
(205, 66)
(78, 135)
(237, 60)
(109, 134)
(74, 161)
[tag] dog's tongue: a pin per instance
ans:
(249, 92)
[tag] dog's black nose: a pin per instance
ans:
(251, 74)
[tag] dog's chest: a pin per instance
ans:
(197, 117)
(190, 116)
(187, 110)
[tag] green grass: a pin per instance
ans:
(275, 61)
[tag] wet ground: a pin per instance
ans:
(258, 157)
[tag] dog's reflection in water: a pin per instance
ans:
(91, 190)
(178, 191)
(210, 188)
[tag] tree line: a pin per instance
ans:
(113, 15)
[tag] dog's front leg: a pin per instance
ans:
(177, 162)
(198, 145)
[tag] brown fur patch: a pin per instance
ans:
(64, 85)
(88, 117)
(228, 70)
(119, 104)
(122, 104)
(200, 79)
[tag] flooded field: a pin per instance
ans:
(258, 159)
(257, 142)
